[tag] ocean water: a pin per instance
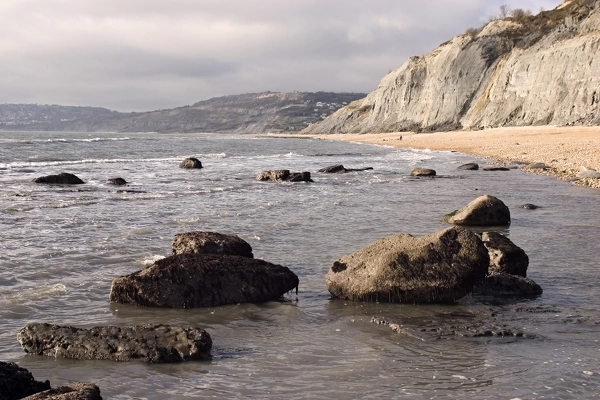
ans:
(62, 246)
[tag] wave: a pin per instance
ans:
(33, 293)
(63, 140)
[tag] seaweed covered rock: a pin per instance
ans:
(483, 211)
(17, 382)
(211, 243)
(64, 178)
(204, 280)
(438, 268)
(148, 343)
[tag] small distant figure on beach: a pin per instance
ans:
(400, 138)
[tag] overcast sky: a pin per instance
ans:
(141, 55)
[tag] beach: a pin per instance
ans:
(564, 150)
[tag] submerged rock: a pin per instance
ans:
(494, 168)
(204, 280)
(529, 206)
(483, 211)
(117, 181)
(438, 268)
(469, 167)
(73, 391)
(148, 343)
(505, 256)
(502, 284)
(17, 382)
(211, 243)
(340, 169)
(64, 178)
(190, 163)
(422, 172)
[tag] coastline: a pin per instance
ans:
(564, 150)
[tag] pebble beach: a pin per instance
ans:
(563, 150)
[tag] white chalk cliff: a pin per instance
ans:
(534, 70)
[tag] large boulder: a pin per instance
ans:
(148, 343)
(280, 175)
(204, 280)
(505, 256)
(73, 391)
(507, 285)
(438, 268)
(190, 163)
(211, 243)
(64, 178)
(17, 382)
(483, 211)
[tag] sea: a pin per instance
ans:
(61, 247)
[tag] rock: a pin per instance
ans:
(505, 256)
(117, 181)
(17, 382)
(587, 173)
(529, 206)
(438, 268)
(204, 280)
(508, 285)
(483, 211)
(469, 167)
(212, 243)
(64, 178)
(334, 169)
(339, 169)
(73, 391)
(505, 75)
(422, 172)
(536, 166)
(148, 343)
(494, 168)
(280, 175)
(190, 163)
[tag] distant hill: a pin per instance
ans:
(245, 113)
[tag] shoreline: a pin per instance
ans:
(564, 150)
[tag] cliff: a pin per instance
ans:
(245, 113)
(531, 70)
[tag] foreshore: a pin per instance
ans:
(564, 150)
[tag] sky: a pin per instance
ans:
(142, 55)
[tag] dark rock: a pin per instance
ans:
(204, 280)
(190, 163)
(483, 211)
(529, 206)
(17, 382)
(496, 169)
(64, 178)
(117, 181)
(508, 285)
(422, 172)
(73, 391)
(280, 175)
(211, 243)
(334, 169)
(505, 256)
(438, 268)
(339, 169)
(148, 343)
(469, 167)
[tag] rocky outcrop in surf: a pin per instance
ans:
(532, 70)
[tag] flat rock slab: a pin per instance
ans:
(437, 268)
(73, 391)
(17, 382)
(204, 280)
(211, 243)
(148, 343)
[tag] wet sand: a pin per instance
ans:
(563, 150)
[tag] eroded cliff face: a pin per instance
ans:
(537, 70)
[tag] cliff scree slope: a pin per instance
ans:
(532, 70)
